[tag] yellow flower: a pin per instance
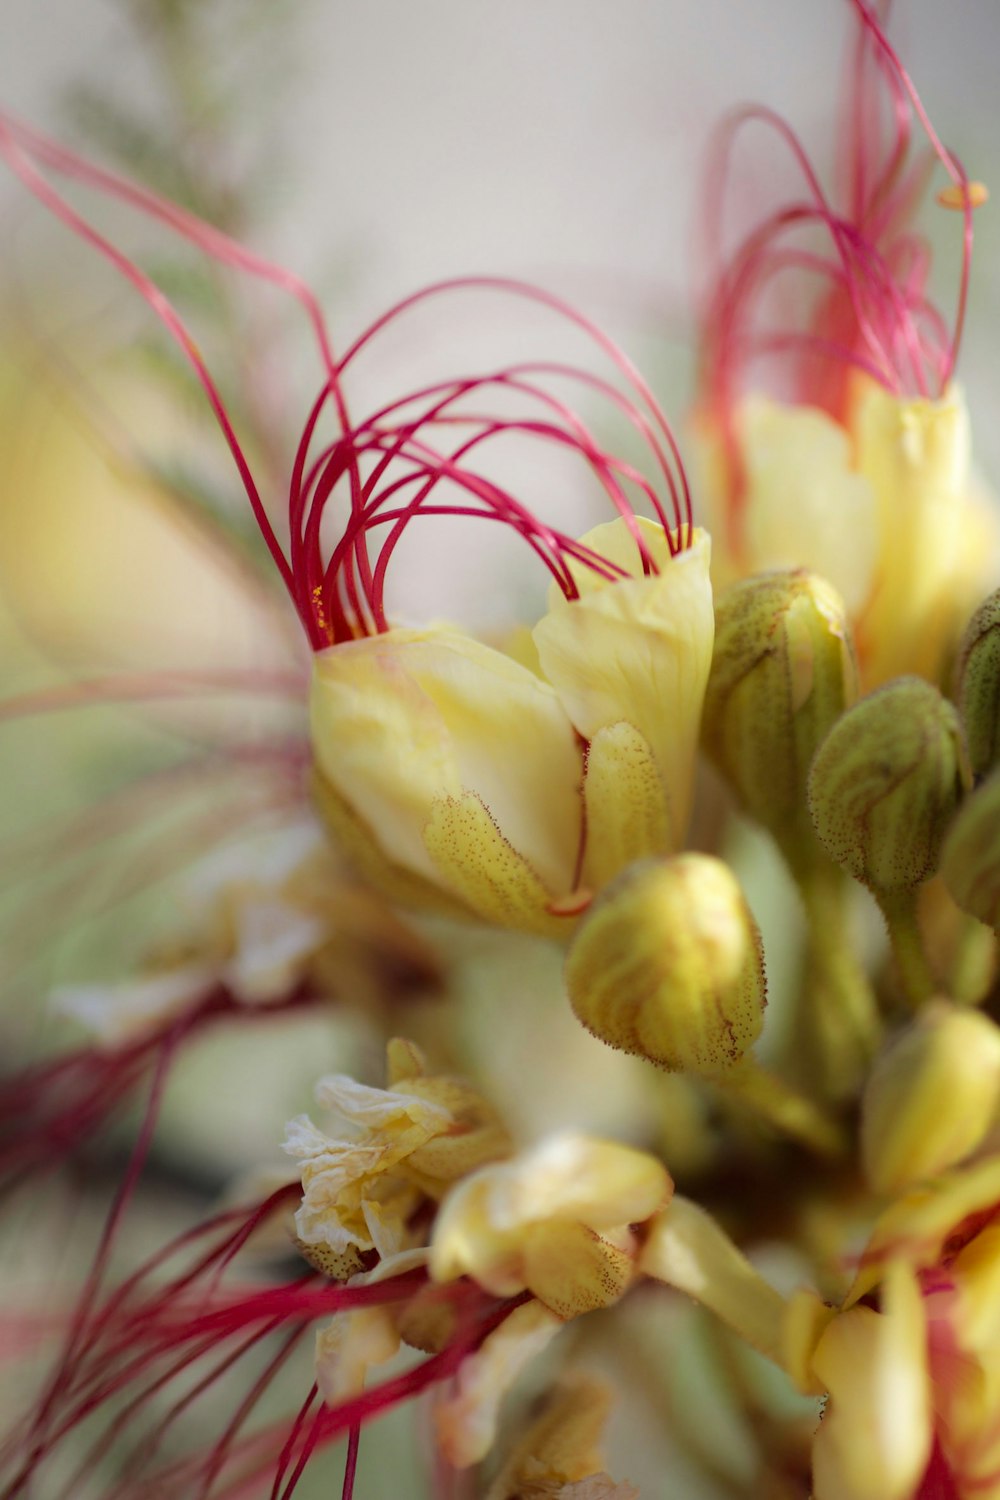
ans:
(884, 507)
(464, 779)
(928, 1358)
(561, 1447)
(466, 1421)
(555, 1222)
(931, 1097)
(909, 1363)
(398, 1146)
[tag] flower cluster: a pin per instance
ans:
(605, 797)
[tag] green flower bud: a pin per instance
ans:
(931, 1097)
(668, 964)
(970, 859)
(783, 671)
(977, 677)
(886, 782)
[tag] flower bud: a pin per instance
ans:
(931, 1096)
(970, 860)
(977, 677)
(885, 783)
(783, 672)
(668, 964)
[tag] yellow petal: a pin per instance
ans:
(638, 650)
(627, 814)
(598, 1183)
(561, 1445)
(875, 1437)
(471, 854)
(807, 1318)
(805, 507)
(931, 1096)
(976, 1271)
(488, 1225)
(466, 1421)
(403, 720)
(915, 1228)
(573, 1269)
(915, 455)
(345, 1349)
(354, 836)
(686, 1249)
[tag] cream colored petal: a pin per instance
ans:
(404, 1061)
(686, 1249)
(915, 1227)
(562, 1444)
(875, 1437)
(357, 840)
(349, 1346)
(931, 1096)
(471, 853)
(638, 650)
(466, 1422)
(915, 455)
(807, 1318)
(805, 507)
(574, 1270)
(386, 1219)
(494, 1225)
(976, 1272)
(119, 1013)
(273, 944)
(615, 541)
(627, 814)
(381, 742)
(467, 1241)
(380, 1110)
(407, 718)
(578, 1178)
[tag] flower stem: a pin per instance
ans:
(900, 911)
(783, 1107)
(837, 1010)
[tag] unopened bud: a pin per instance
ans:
(783, 671)
(970, 860)
(886, 782)
(931, 1097)
(668, 964)
(977, 677)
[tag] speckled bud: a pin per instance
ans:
(970, 859)
(668, 964)
(977, 679)
(885, 783)
(931, 1096)
(783, 671)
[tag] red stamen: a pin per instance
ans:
(872, 312)
(54, 1110)
(342, 597)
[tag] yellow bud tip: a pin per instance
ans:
(957, 196)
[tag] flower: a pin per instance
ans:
(860, 468)
(911, 1360)
(398, 1146)
(558, 1456)
(513, 793)
(555, 1222)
